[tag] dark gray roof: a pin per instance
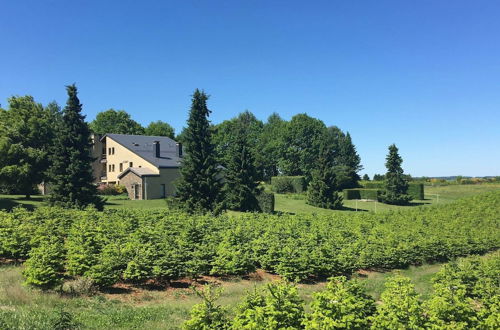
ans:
(139, 171)
(142, 145)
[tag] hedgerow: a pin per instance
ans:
(139, 245)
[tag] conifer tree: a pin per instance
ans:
(401, 307)
(323, 190)
(199, 189)
(396, 184)
(71, 170)
(366, 177)
(241, 186)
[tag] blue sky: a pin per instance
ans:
(422, 74)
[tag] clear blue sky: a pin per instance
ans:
(422, 74)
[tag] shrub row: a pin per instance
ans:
(466, 296)
(138, 245)
(111, 189)
(288, 184)
(415, 189)
(360, 193)
(266, 202)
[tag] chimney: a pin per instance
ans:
(178, 146)
(156, 145)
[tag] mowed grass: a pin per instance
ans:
(288, 203)
(295, 203)
(136, 307)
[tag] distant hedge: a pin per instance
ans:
(266, 202)
(360, 193)
(288, 184)
(415, 190)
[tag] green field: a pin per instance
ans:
(289, 203)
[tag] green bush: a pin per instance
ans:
(266, 202)
(288, 184)
(416, 190)
(111, 189)
(360, 193)
(45, 264)
(373, 184)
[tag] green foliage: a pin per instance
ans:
(401, 307)
(207, 315)
(343, 305)
(366, 177)
(160, 128)
(300, 145)
(374, 184)
(449, 308)
(199, 189)
(416, 190)
(64, 320)
(71, 172)
(359, 193)
(266, 202)
(269, 147)
(115, 122)
(346, 159)
(44, 265)
(26, 134)
(288, 184)
(396, 184)
(241, 185)
(323, 190)
(111, 189)
(164, 245)
(227, 133)
(280, 308)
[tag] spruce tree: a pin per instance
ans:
(396, 184)
(199, 189)
(323, 190)
(241, 186)
(366, 177)
(71, 170)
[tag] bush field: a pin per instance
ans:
(135, 245)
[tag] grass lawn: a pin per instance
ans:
(289, 203)
(295, 203)
(137, 307)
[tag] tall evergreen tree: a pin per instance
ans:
(347, 160)
(396, 184)
(71, 169)
(366, 177)
(323, 190)
(199, 189)
(241, 186)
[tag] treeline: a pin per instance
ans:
(466, 296)
(126, 245)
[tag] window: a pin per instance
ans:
(109, 168)
(109, 151)
(113, 150)
(130, 164)
(113, 167)
(163, 192)
(121, 167)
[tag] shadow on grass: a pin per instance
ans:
(9, 203)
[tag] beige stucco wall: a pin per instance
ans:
(152, 184)
(125, 156)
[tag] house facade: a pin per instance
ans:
(147, 166)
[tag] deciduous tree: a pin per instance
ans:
(160, 128)
(115, 121)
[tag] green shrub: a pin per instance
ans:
(280, 308)
(266, 202)
(111, 189)
(343, 305)
(416, 190)
(288, 184)
(45, 264)
(373, 184)
(207, 315)
(359, 193)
